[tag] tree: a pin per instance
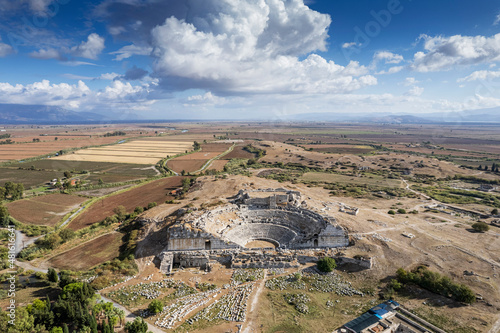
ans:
(152, 204)
(66, 234)
(494, 211)
(480, 227)
(326, 264)
(67, 174)
(2, 193)
(4, 216)
(138, 209)
(155, 306)
(121, 212)
(100, 181)
(137, 326)
(52, 275)
(196, 145)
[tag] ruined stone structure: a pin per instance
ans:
(276, 216)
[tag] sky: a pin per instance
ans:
(250, 59)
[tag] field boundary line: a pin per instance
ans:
(46, 259)
(207, 164)
(93, 201)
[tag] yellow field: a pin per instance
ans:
(137, 152)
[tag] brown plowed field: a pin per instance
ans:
(195, 161)
(238, 152)
(89, 254)
(186, 165)
(44, 210)
(156, 191)
(217, 165)
(217, 147)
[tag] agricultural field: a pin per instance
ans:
(135, 151)
(29, 178)
(36, 173)
(238, 152)
(195, 161)
(155, 191)
(45, 209)
(19, 151)
(217, 165)
(89, 254)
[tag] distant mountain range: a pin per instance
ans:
(471, 116)
(42, 114)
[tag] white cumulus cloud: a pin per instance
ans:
(415, 91)
(444, 53)
(130, 50)
(388, 57)
(252, 47)
(76, 96)
(91, 48)
(480, 75)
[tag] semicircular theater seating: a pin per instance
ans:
(245, 233)
(303, 222)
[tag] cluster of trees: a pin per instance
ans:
(196, 145)
(6, 142)
(4, 136)
(12, 191)
(494, 168)
(436, 283)
(115, 133)
(254, 150)
(76, 310)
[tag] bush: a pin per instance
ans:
(52, 275)
(391, 212)
(66, 234)
(401, 211)
(155, 306)
(480, 227)
(436, 283)
(327, 264)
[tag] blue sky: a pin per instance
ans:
(256, 59)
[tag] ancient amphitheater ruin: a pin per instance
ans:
(278, 219)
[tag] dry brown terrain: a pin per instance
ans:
(89, 254)
(44, 210)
